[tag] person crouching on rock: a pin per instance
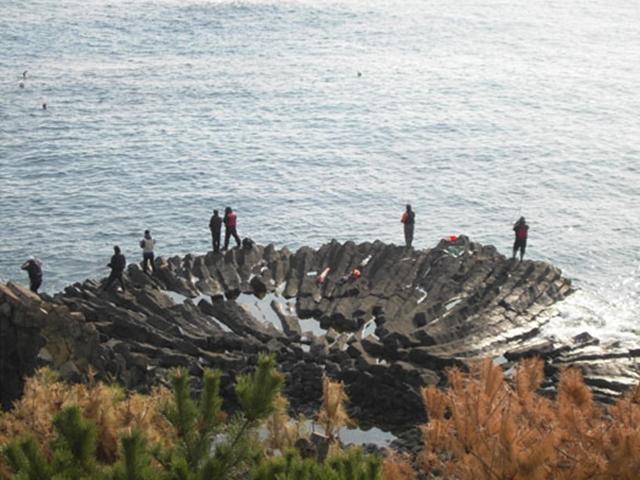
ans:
(409, 220)
(33, 266)
(147, 244)
(522, 232)
(354, 275)
(117, 264)
(230, 221)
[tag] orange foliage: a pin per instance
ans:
(114, 412)
(481, 427)
(333, 415)
(397, 467)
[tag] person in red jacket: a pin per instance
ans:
(230, 222)
(522, 232)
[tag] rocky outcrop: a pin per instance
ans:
(409, 316)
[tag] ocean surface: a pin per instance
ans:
(321, 119)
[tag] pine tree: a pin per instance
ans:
(135, 462)
(351, 464)
(205, 446)
(194, 423)
(76, 443)
(74, 452)
(209, 450)
(257, 391)
(256, 394)
(26, 459)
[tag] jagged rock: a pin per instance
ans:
(228, 274)
(211, 287)
(584, 339)
(541, 348)
(373, 347)
(69, 372)
(433, 309)
(290, 323)
(258, 286)
(239, 321)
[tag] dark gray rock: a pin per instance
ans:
(433, 309)
(290, 323)
(258, 286)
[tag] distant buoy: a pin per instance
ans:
(359, 74)
(21, 84)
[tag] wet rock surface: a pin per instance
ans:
(409, 316)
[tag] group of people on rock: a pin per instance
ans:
(118, 262)
(520, 228)
(230, 221)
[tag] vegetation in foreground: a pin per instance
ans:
(481, 427)
(57, 431)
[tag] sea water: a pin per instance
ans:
(321, 119)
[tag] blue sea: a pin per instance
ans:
(322, 119)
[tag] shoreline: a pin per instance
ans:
(410, 316)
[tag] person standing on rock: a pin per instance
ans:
(409, 220)
(147, 244)
(33, 266)
(521, 230)
(117, 264)
(230, 222)
(215, 225)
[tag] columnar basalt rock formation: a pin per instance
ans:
(409, 316)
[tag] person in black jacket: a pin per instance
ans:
(409, 220)
(215, 225)
(118, 263)
(33, 266)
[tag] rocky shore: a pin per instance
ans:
(410, 316)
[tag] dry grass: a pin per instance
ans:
(114, 412)
(283, 432)
(397, 467)
(483, 428)
(333, 413)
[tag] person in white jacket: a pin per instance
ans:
(147, 244)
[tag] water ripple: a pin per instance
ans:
(476, 114)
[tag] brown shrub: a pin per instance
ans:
(397, 467)
(282, 431)
(481, 427)
(333, 415)
(114, 412)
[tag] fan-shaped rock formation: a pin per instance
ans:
(397, 326)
